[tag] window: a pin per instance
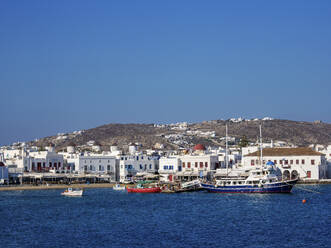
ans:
(312, 161)
(291, 161)
(201, 164)
(140, 166)
(142, 157)
(150, 166)
(85, 168)
(297, 161)
(165, 167)
(196, 164)
(137, 157)
(183, 164)
(252, 162)
(275, 161)
(188, 164)
(126, 166)
(309, 174)
(50, 164)
(108, 167)
(302, 161)
(91, 167)
(280, 161)
(100, 168)
(286, 161)
(44, 164)
(59, 164)
(206, 164)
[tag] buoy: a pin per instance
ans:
(304, 201)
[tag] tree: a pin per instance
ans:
(243, 142)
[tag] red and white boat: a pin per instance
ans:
(140, 189)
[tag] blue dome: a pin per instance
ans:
(270, 163)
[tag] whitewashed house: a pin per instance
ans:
(4, 179)
(26, 160)
(132, 165)
(292, 162)
(168, 168)
(86, 163)
(195, 166)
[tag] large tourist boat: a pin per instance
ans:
(144, 189)
(263, 179)
(260, 180)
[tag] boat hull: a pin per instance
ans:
(280, 187)
(144, 190)
(78, 193)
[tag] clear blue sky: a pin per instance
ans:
(71, 65)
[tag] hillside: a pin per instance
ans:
(208, 133)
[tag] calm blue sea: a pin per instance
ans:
(106, 218)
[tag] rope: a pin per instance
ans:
(309, 190)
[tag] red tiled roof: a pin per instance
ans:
(298, 151)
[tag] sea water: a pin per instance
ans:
(107, 218)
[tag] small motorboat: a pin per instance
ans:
(144, 189)
(72, 192)
(118, 187)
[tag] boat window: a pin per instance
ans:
(234, 183)
(228, 182)
(239, 182)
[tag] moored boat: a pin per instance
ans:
(144, 189)
(72, 192)
(263, 180)
(118, 187)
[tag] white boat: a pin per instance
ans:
(118, 187)
(191, 184)
(72, 192)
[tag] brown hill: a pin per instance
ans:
(298, 133)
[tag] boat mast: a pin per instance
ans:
(261, 148)
(226, 148)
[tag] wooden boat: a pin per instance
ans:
(141, 189)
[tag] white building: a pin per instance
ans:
(168, 167)
(326, 150)
(92, 164)
(197, 165)
(3, 173)
(292, 162)
(33, 161)
(132, 165)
